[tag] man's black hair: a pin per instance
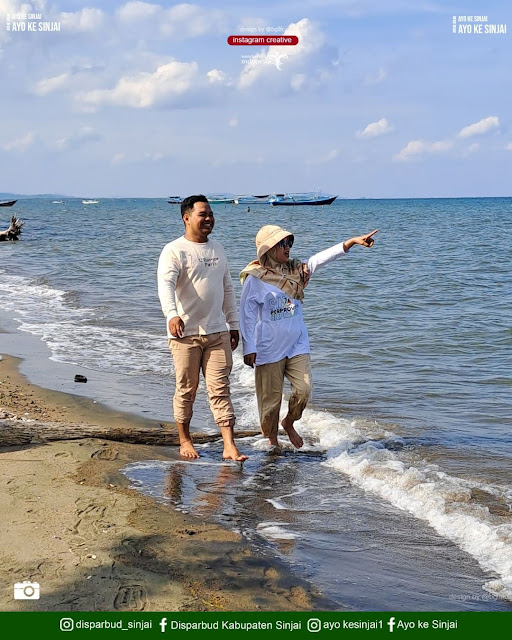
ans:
(189, 202)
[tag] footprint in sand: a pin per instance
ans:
(90, 516)
(106, 453)
(131, 598)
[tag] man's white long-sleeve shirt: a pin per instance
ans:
(194, 283)
(271, 322)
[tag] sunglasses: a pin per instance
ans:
(287, 242)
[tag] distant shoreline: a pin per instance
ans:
(45, 196)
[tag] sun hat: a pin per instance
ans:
(268, 236)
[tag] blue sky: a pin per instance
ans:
(379, 99)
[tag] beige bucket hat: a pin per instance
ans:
(268, 236)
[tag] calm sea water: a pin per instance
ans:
(402, 497)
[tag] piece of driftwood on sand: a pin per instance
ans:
(14, 230)
(26, 432)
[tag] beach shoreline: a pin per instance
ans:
(94, 544)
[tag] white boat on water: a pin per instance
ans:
(220, 198)
(175, 200)
(57, 201)
(90, 201)
(252, 199)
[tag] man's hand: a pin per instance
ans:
(250, 359)
(365, 241)
(176, 327)
(234, 338)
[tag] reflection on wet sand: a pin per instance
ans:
(227, 494)
(202, 496)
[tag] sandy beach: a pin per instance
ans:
(72, 524)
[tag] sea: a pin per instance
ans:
(401, 498)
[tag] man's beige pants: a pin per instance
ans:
(269, 390)
(212, 355)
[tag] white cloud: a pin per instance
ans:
(324, 159)
(298, 80)
(417, 148)
(10, 7)
(137, 11)
(76, 140)
(375, 129)
(309, 64)
(180, 21)
(188, 20)
(478, 128)
(49, 85)
(376, 78)
(118, 158)
(167, 86)
(233, 122)
(20, 144)
(136, 157)
(88, 19)
(421, 147)
(509, 146)
(13, 6)
(218, 77)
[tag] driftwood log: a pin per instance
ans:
(14, 230)
(24, 432)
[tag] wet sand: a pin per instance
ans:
(72, 524)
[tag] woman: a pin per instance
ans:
(275, 338)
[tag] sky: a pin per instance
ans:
(379, 99)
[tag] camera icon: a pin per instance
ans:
(314, 625)
(67, 624)
(26, 590)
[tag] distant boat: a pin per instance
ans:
(298, 199)
(252, 199)
(90, 201)
(220, 198)
(57, 201)
(9, 203)
(175, 200)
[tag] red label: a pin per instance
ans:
(263, 41)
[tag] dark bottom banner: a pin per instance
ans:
(292, 625)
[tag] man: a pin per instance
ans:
(198, 299)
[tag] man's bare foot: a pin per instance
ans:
(275, 447)
(275, 450)
(295, 439)
(232, 453)
(187, 450)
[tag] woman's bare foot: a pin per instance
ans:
(232, 453)
(295, 439)
(187, 450)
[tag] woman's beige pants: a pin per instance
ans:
(269, 390)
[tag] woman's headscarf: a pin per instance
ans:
(289, 276)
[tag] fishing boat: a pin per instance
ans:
(90, 201)
(252, 199)
(220, 198)
(298, 199)
(8, 203)
(175, 200)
